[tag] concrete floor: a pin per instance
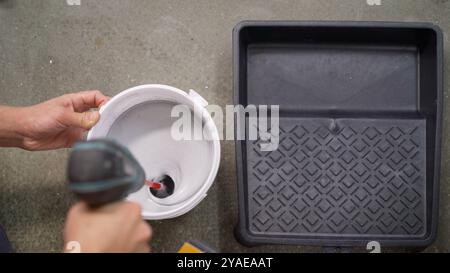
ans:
(48, 48)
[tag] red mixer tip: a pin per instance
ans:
(153, 184)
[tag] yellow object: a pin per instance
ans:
(189, 248)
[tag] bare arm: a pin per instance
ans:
(54, 124)
(10, 123)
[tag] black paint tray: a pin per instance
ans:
(360, 127)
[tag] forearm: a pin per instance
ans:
(11, 127)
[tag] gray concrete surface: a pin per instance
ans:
(48, 48)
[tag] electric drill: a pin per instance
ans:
(103, 171)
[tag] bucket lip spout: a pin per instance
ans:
(194, 98)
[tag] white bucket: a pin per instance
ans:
(140, 119)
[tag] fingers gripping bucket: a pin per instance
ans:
(140, 118)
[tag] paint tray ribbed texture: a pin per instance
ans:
(360, 123)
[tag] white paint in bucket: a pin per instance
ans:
(140, 119)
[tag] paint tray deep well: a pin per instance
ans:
(360, 127)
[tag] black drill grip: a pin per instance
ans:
(103, 171)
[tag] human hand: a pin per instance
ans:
(115, 227)
(57, 123)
